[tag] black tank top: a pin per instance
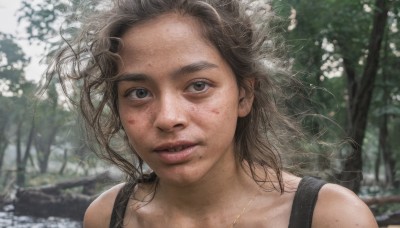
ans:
(301, 215)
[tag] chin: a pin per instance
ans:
(179, 176)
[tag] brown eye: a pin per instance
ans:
(139, 93)
(198, 86)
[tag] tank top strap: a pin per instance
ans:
(120, 204)
(304, 202)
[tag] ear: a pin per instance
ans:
(246, 97)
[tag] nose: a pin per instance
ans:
(171, 115)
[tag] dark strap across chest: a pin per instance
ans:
(301, 215)
(120, 204)
(304, 202)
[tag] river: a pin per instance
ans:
(9, 220)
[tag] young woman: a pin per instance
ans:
(186, 89)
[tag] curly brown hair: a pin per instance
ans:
(252, 48)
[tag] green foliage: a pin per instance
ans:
(329, 43)
(13, 86)
(12, 64)
(41, 17)
(39, 127)
(48, 19)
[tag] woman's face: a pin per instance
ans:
(178, 100)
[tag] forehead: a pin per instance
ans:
(170, 40)
(164, 28)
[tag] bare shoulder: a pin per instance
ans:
(339, 207)
(98, 214)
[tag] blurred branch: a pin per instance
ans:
(51, 200)
(56, 188)
(381, 200)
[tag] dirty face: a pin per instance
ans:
(178, 99)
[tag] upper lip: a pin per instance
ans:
(173, 146)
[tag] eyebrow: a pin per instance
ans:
(136, 77)
(194, 67)
(188, 69)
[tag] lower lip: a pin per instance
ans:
(178, 157)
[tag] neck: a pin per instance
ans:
(211, 193)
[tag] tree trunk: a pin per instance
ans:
(3, 143)
(65, 161)
(29, 143)
(20, 166)
(3, 147)
(44, 161)
(360, 94)
(384, 142)
(45, 142)
(22, 160)
(378, 165)
(385, 148)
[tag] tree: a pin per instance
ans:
(335, 46)
(24, 119)
(50, 119)
(386, 107)
(54, 121)
(360, 95)
(13, 86)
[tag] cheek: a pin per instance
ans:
(215, 111)
(133, 117)
(134, 123)
(127, 119)
(131, 121)
(224, 103)
(205, 110)
(219, 111)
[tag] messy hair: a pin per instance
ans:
(246, 35)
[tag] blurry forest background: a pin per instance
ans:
(348, 51)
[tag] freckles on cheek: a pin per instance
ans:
(207, 108)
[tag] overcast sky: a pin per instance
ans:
(8, 24)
